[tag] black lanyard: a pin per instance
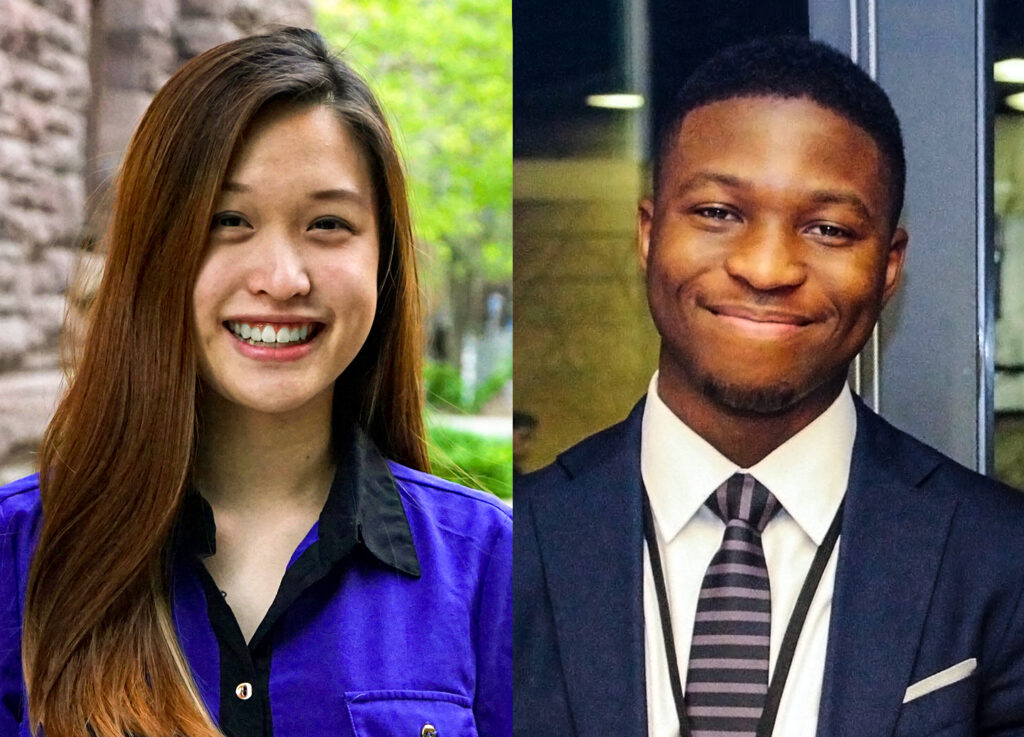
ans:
(796, 623)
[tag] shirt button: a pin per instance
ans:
(428, 730)
(243, 691)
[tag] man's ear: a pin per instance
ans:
(894, 263)
(644, 216)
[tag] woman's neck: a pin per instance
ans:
(260, 460)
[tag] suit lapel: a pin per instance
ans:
(594, 573)
(892, 540)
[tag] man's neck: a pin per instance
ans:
(744, 437)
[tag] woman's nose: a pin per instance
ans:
(279, 269)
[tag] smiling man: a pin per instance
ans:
(753, 551)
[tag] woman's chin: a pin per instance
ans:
(273, 400)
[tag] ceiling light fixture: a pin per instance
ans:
(1015, 101)
(616, 101)
(1009, 70)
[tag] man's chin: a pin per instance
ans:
(755, 400)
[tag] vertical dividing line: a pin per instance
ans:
(983, 69)
(858, 375)
(872, 40)
(636, 58)
(876, 343)
(854, 32)
(876, 370)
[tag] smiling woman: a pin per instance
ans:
(297, 203)
(233, 531)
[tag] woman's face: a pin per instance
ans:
(287, 291)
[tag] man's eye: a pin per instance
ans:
(715, 213)
(227, 220)
(330, 224)
(830, 231)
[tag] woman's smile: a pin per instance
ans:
(274, 341)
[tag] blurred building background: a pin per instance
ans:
(76, 77)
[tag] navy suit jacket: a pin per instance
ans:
(930, 574)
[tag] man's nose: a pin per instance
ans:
(768, 257)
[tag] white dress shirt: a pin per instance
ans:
(808, 474)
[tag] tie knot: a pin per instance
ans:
(744, 498)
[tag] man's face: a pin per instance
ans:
(768, 252)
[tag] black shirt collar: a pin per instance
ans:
(363, 508)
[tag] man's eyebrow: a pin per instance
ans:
(834, 197)
(711, 177)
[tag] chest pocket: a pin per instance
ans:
(407, 713)
(937, 712)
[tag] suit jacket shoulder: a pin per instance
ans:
(921, 465)
(929, 581)
(593, 452)
(578, 598)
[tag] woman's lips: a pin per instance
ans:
(275, 352)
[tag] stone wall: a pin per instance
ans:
(44, 95)
(75, 77)
(138, 45)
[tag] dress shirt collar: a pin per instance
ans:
(363, 508)
(808, 473)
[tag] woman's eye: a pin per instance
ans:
(330, 224)
(228, 220)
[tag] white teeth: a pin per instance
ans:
(268, 335)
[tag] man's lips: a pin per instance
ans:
(760, 321)
(760, 314)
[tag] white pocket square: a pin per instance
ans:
(941, 679)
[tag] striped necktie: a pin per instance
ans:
(727, 676)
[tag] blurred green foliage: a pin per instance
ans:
(446, 391)
(444, 388)
(443, 71)
(470, 459)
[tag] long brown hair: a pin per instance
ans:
(99, 649)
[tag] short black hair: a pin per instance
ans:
(794, 67)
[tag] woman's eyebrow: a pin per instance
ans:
(336, 193)
(341, 193)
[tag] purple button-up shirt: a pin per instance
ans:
(394, 613)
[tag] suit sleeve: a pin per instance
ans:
(541, 703)
(1001, 708)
